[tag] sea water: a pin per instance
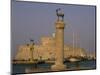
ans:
(81, 65)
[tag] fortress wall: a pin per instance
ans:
(23, 53)
(46, 50)
(47, 41)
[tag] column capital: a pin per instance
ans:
(60, 24)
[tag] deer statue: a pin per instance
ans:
(60, 14)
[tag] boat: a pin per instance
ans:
(74, 59)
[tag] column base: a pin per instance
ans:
(57, 67)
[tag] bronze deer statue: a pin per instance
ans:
(60, 14)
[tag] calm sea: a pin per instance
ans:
(82, 65)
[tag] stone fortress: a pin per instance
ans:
(46, 50)
(50, 47)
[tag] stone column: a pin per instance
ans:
(59, 41)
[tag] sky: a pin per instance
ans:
(33, 20)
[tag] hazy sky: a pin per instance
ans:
(35, 20)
